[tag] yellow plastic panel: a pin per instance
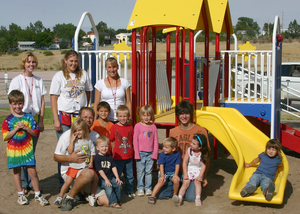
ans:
(167, 12)
(244, 142)
(217, 9)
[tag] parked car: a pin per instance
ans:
(290, 81)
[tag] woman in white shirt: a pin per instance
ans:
(113, 89)
(34, 90)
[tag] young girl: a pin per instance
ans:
(194, 165)
(79, 140)
(145, 142)
(266, 171)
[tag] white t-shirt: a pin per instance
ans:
(62, 146)
(85, 146)
(67, 97)
(107, 95)
(37, 91)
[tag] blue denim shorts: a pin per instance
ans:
(168, 175)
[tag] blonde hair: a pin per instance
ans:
(80, 123)
(78, 71)
(25, 57)
(171, 141)
(274, 143)
(102, 139)
(123, 108)
(148, 110)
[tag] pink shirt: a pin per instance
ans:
(145, 139)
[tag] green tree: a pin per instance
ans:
(37, 27)
(268, 28)
(101, 27)
(294, 29)
(43, 39)
(3, 44)
(249, 25)
(63, 44)
(14, 35)
(67, 31)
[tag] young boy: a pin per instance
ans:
(17, 130)
(107, 172)
(122, 148)
(102, 126)
(169, 163)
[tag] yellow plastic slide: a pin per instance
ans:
(244, 142)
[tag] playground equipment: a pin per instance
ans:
(211, 16)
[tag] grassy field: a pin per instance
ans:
(291, 53)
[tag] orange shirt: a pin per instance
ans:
(102, 131)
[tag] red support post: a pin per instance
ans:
(183, 64)
(226, 63)
(192, 76)
(217, 57)
(152, 73)
(169, 62)
(134, 76)
(177, 69)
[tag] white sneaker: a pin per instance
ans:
(41, 200)
(22, 200)
(140, 193)
(58, 201)
(148, 192)
(91, 200)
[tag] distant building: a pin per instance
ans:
(125, 37)
(90, 35)
(26, 45)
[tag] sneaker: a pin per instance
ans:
(148, 192)
(140, 193)
(67, 205)
(91, 200)
(246, 191)
(131, 195)
(22, 200)
(58, 201)
(41, 200)
(177, 200)
(198, 202)
(270, 191)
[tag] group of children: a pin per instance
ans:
(113, 156)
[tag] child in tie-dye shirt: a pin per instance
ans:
(17, 130)
(145, 142)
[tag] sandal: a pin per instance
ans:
(151, 200)
(115, 205)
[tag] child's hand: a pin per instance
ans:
(162, 179)
(199, 178)
(20, 125)
(247, 165)
(185, 177)
(119, 181)
(73, 137)
(107, 183)
(90, 165)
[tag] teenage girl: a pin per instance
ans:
(79, 140)
(145, 142)
(194, 165)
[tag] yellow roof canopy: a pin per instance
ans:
(186, 14)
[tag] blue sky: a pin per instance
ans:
(116, 13)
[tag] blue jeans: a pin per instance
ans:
(58, 134)
(25, 178)
(113, 193)
(259, 180)
(125, 166)
(167, 192)
(144, 168)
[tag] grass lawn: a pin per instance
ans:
(48, 118)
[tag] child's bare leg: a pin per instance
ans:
(185, 185)
(198, 187)
(17, 179)
(157, 187)
(176, 185)
(66, 186)
(94, 185)
(34, 178)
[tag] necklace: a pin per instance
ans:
(114, 93)
(30, 91)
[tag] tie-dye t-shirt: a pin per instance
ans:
(19, 149)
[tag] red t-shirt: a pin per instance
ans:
(123, 137)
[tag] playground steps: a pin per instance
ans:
(290, 137)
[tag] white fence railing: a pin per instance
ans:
(250, 76)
